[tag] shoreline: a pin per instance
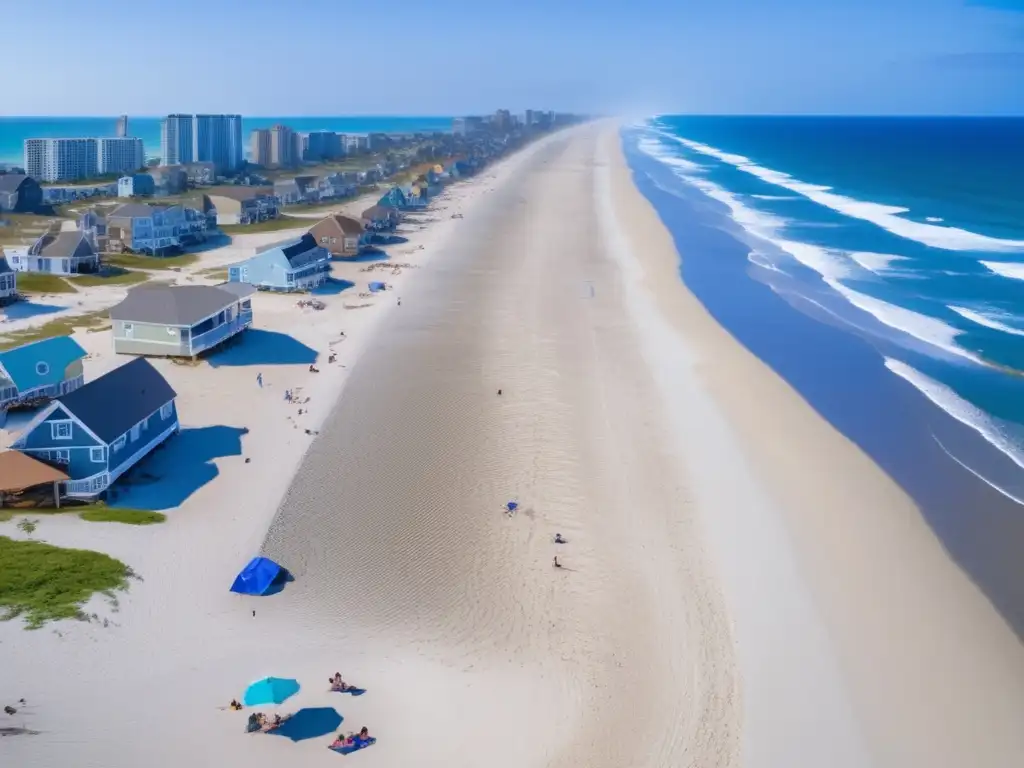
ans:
(856, 536)
(741, 585)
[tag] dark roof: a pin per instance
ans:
(305, 243)
(9, 182)
(134, 211)
(64, 245)
(117, 401)
(172, 304)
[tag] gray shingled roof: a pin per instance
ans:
(134, 211)
(64, 245)
(117, 401)
(172, 304)
(239, 193)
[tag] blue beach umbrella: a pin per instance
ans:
(270, 690)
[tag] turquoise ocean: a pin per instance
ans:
(877, 264)
(14, 130)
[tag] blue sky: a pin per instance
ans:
(444, 57)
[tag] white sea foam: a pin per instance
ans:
(930, 330)
(659, 152)
(884, 216)
(879, 263)
(1010, 269)
(990, 318)
(993, 430)
(775, 197)
(933, 218)
(978, 474)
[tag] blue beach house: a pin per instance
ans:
(35, 373)
(394, 198)
(102, 429)
(295, 265)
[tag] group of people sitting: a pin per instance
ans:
(337, 684)
(352, 740)
(260, 722)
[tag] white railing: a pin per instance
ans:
(128, 463)
(89, 486)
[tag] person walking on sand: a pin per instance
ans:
(557, 564)
(259, 379)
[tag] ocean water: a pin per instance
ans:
(878, 265)
(14, 130)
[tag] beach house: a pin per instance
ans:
(39, 371)
(180, 320)
(19, 193)
(295, 265)
(154, 230)
(380, 218)
(102, 429)
(242, 205)
(394, 198)
(8, 281)
(340, 235)
(59, 253)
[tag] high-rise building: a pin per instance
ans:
(321, 145)
(259, 146)
(213, 139)
(118, 155)
(176, 140)
(217, 139)
(60, 159)
(283, 146)
(122, 126)
(464, 126)
(503, 120)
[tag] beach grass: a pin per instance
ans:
(135, 261)
(40, 582)
(37, 282)
(214, 273)
(270, 225)
(111, 276)
(94, 513)
(103, 514)
(62, 326)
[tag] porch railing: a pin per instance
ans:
(216, 335)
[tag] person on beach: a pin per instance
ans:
(557, 564)
(235, 705)
(259, 379)
(559, 539)
(499, 393)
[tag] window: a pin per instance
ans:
(135, 432)
(166, 410)
(129, 330)
(145, 424)
(119, 443)
(42, 368)
(60, 430)
(172, 332)
(62, 456)
(97, 455)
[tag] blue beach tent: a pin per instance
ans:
(257, 577)
(377, 287)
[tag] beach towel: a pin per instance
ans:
(354, 691)
(355, 746)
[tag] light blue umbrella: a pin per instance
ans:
(270, 690)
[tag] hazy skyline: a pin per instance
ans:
(446, 57)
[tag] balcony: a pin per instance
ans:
(215, 336)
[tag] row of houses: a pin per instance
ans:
(95, 432)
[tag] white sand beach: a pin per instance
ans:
(740, 587)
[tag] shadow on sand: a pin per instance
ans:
(387, 238)
(256, 347)
(22, 310)
(213, 241)
(332, 287)
(177, 469)
(369, 253)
